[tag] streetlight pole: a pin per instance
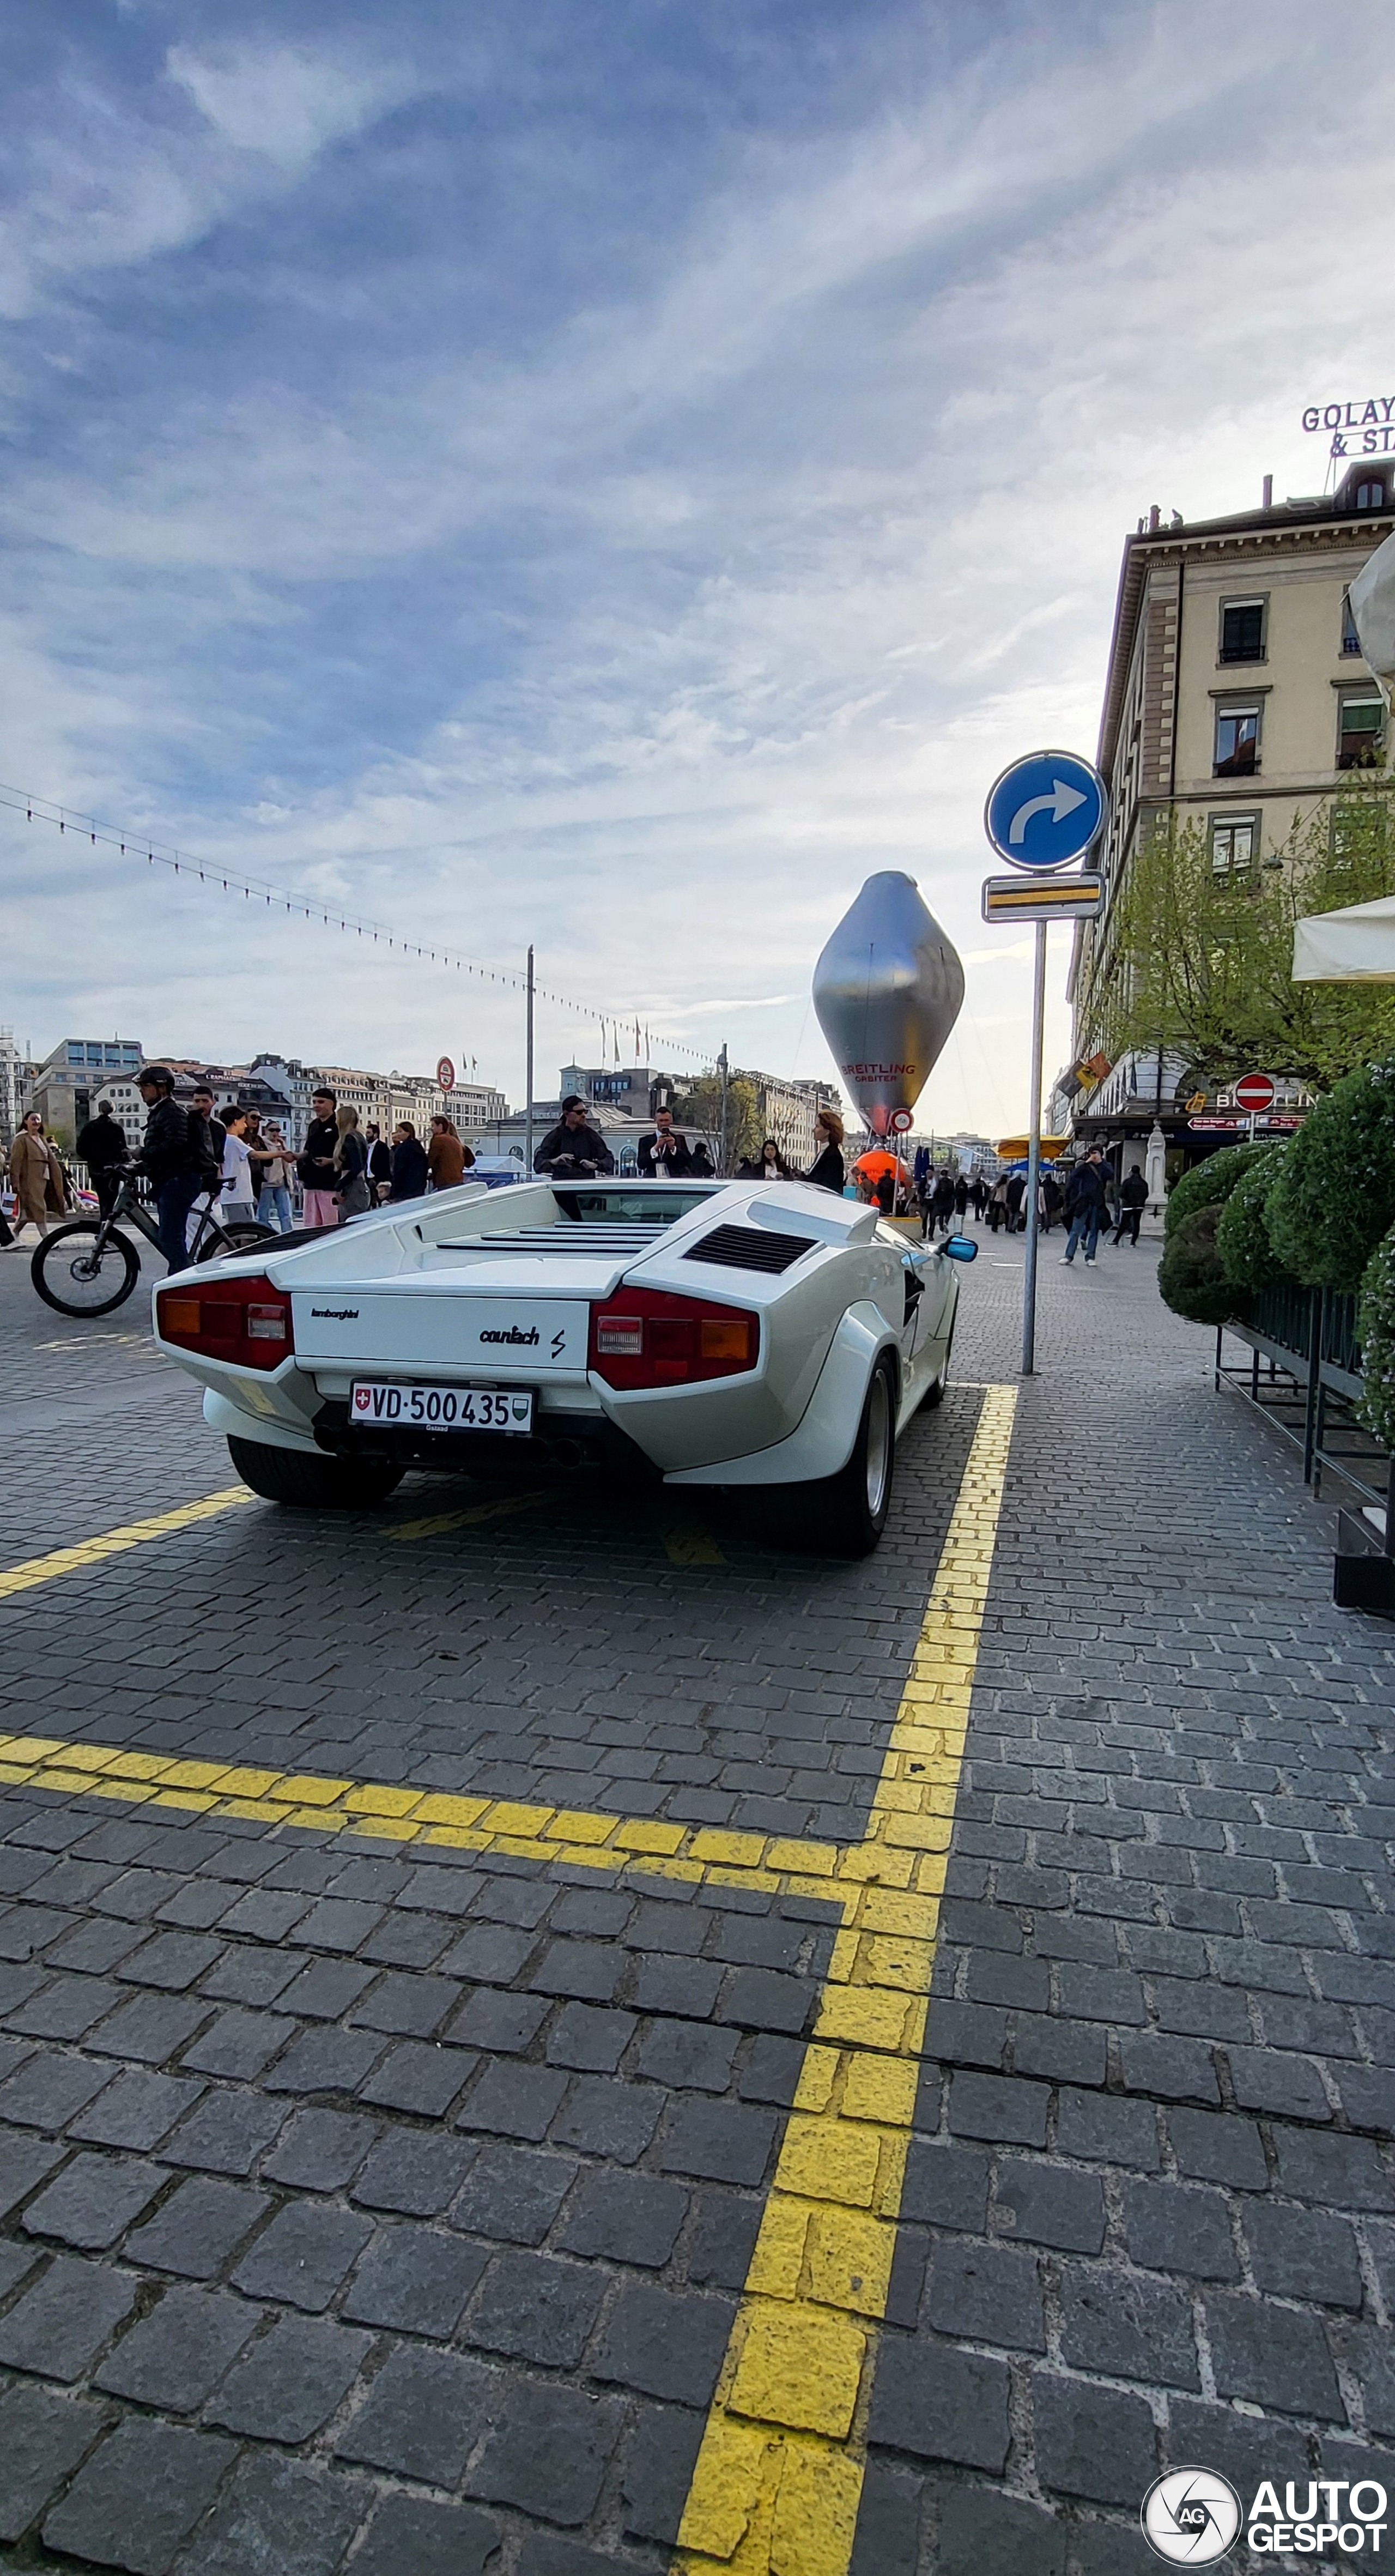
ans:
(528, 1078)
(1029, 1276)
(722, 1140)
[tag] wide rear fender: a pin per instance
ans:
(824, 1440)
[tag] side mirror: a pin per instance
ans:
(959, 1247)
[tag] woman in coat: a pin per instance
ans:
(350, 1165)
(40, 1184)
(828, 1171)
(448, 1157)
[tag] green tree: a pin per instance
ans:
(1334, 1195)
(699, 1104)
(1200, 960)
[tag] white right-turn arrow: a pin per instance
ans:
(1062, 801)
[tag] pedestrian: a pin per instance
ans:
(1048, 1199)
(274, 1196)
(980, 1197)
(379, 1165)
(768, 1165)
(884, 1188)
(1013, 1197)
(1085, 1203)
(102, 1147)
(828, 1171)
(448, 1157)
(174, 1159)
(942, 1203)
(573, 1150)
(39, 1180)
(236, 1203)
(1133, 1199)
(961, 1199)
(997, 1203)
(700, 1161)
(351, 1165)
(664, 1154)
(409, 1172)
(207, 1135)
(316, 1164)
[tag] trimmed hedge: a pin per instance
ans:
(1334, 1197)
(1375, 1327)
(1190, 1277)
(1246, 1252)
(1208, 1183)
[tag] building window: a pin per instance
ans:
(1237, 742)
(1360, 729)
(1351, 641)
(1242, 630)
(1234, 842)
(1370, 496)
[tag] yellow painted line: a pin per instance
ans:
(778, 2479)
(688, 1543)
(436, 1522)
(92, 1551)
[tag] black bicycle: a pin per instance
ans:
(90, 1268)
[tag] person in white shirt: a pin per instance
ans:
(238, 1175)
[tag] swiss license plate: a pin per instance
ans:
(375, 1407)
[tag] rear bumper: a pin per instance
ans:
(560, 1440)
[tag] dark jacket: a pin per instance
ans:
(942, 1196)
(1087, 1187)
(1133, 1190)
(316, 1164)
(573, 1153)
(676, 1166)
(353, 1157)
(409, 1169)
(102, 1143)
(828, 1173)
(169, 1147)
(379, 1161)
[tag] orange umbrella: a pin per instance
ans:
(878, 1161)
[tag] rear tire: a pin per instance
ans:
(244, 1236)
(844, 1515)
(313, 1484)
(54, 1260)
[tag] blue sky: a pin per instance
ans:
(616, 474)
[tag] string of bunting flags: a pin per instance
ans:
(131, 844)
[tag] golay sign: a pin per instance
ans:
(1369, 424)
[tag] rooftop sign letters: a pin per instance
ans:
(1359, 428)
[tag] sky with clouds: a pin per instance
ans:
(614, 474)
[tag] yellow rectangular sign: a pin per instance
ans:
(1042, 898)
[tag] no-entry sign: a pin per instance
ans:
(1254, 1092)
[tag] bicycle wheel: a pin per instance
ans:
(80, 1275)
(242, 1236)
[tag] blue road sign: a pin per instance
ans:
(1045, 810)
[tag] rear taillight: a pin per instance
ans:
(645, 1337)
(245, 1320)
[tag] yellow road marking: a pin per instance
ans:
(778, 2479)
(91, 1551)
(688, 1543)
(438, 1521)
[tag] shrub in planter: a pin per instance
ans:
(1375, 1326)
(1190, 1277)
(1210, 1182)
(1335, 1196)
(1246, 1253)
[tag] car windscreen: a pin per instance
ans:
(651, 1203)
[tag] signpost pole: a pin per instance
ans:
(528, 1077)
(1029, 1275)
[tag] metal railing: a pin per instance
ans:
(1304, 1373)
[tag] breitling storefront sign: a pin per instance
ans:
(1362, 428)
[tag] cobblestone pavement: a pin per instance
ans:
(387, 2205)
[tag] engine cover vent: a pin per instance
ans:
(749, 1247)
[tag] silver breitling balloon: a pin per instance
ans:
(888, 990)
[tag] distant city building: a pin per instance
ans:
(1237, 698)
(14, 1086)
(67, 1085)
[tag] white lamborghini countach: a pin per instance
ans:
(720, 1333)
